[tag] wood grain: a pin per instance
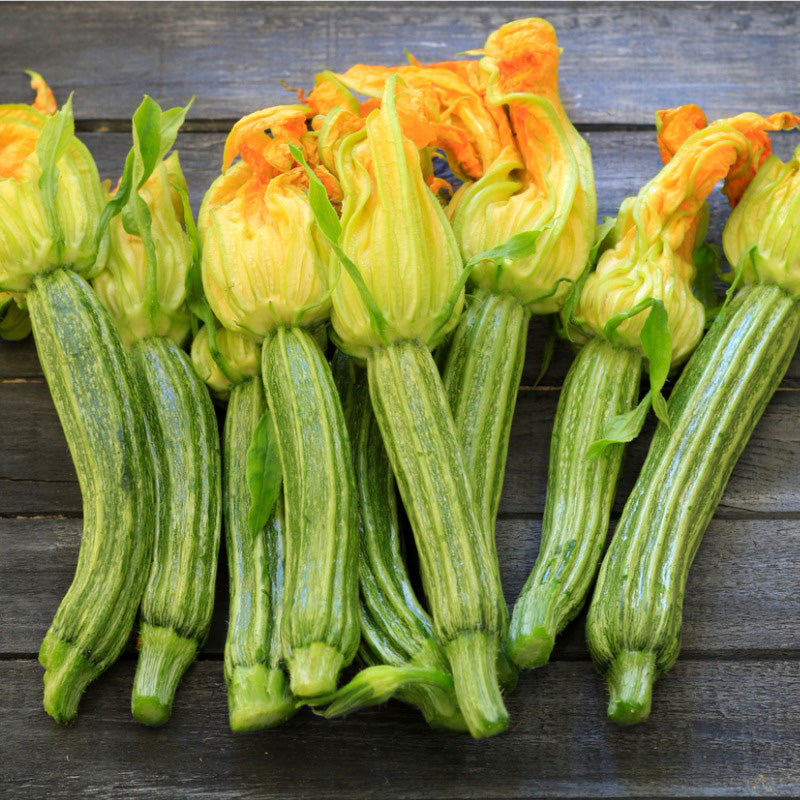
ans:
(717, 728)
(743, 596)
(621, 61)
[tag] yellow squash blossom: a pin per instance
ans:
(28, 242)
(653, 258)
(395, 230)
(139, 309)
(768, 219)
(242, 360)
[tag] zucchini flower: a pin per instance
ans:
(389, 215)
(397, 290)
(242, 360)
(763, 232)
(653, 259)
(144, 304)
(263, 258)
(44, 228)
(546, 186)
(15, 324)
(264, 267)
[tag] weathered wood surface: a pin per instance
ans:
(724, 721)
(621, 61)
(719, 728)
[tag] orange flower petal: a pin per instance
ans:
(45, 100)
(676, 126)
(265, 152)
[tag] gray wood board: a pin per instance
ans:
(717, 729)
(621, 61)
(743, 595)
(37, 477)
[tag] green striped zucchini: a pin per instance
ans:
(179, 596)
(96, 395)
(634, 620)
(319, 626)
(258, 695)
(459, 572)
(481, 379)
(602, 382)
(396, 630)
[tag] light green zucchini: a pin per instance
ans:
(258, 694)
(319, 626)
(397, 633)
(179, 596)
(96, 394)
(602, 382)
(459, 572)
(634, 620)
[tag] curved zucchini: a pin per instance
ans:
(96, 395)
(459, 572)
(603, 381)
(319, 627)
(258, 696)
(634, 620)
(179, 596)
(397, 633)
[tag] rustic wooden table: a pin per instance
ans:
(724, 721)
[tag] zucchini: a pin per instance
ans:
(179, 597)
(258, 696)
(396, 630)
(481, 378)
(460, 576)
(319, 625)
(634, 622)
(96, 395)
(602, 382)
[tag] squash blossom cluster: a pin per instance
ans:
(657, 232)
(31, 242)
(505, 133)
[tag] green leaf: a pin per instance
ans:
(56, 135)
(621, 428)
(264, 474)
(738, 275)
(610, 329)
(706, 259)
(657, 347)
(154, 134)
(328, 222)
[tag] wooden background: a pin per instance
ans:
(724, 721)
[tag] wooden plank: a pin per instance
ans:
(717, 728)
(743, 595)
(621, 62)
(36, 475)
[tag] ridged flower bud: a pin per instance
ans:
(30, 242)
(396, 233)
(768, 218)
(139, 309)
(241, 354)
